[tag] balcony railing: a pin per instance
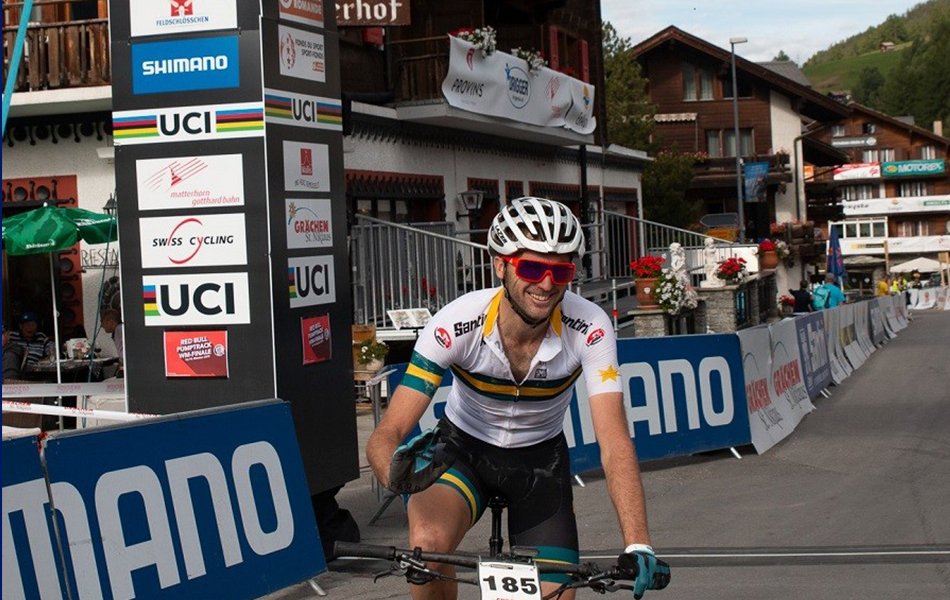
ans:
(60, 54)
(727, 164)
(421, 66)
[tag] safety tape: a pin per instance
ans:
(47, 390)
(64, 411)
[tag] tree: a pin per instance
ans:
(665, 182)
(781, 56)
(867, 91)
(629, 110)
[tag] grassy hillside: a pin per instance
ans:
(843, 73)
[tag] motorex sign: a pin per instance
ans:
(208, 504)
(683, 395)
(199, 64)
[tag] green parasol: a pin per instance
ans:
(49, 229)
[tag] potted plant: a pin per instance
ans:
(770, 252)
(788, 304)
(645, 272)
(534, 58)
(483, 38)
(731, 270)
(371, 355)
(672, 295)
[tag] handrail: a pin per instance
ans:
(665, 226)
(44, 24)
(426, 233)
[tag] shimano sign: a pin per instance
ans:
(199, 64)
(687, 396)
(223, 512)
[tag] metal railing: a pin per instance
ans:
(60, 55)
(416, 265)
(629, 238)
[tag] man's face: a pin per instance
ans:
(28, 329)
(107, 324)
(536, 300)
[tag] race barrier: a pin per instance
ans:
(929, 298)
(689, 394)
(121, 514)
(66, 411)
(52, 390)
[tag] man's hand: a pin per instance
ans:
(642, 566)
(419, 463)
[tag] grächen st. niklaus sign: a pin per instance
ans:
(501, 85)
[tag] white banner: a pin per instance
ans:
(204, 299)
(183, 182)
(849, 337)
(181, 16)
(883, 206)
(306, 167)
(193, 241)
(775, 391)
(901, 309)
(926, 299)
(946, 298)
(308, 223)
(500, 85)
(65, 411)
(52, 390)
(188, 123)
(302, 54)
(858, 171)
(896, 245)
(838, 372)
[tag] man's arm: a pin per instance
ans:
(406, 407)
(619, 459)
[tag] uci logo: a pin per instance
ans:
(311, 281)
(192, 123)
(595, 337)
(207, 299)
(443, 338)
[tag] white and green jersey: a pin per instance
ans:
(485, 401)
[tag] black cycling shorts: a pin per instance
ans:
(536, 482)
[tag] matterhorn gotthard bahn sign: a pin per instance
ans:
(227, 126)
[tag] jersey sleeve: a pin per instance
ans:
(434, 352)
(598, 352)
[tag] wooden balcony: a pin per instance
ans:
(721, 171)
(421, 66)
(58, 54)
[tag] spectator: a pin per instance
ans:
(828, 295)
(883, 286)
(111, 321)
(12, 357)
(802, 297)
(36, 345)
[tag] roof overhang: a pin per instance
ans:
(55, 102)
(821, 154)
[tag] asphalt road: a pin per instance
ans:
(855, 504)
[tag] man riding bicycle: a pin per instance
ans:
(515, 353)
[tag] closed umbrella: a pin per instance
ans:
(49, 229)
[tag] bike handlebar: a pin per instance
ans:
(460, 559)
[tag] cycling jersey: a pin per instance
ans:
(485, 401)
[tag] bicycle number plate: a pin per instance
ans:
(508, 581)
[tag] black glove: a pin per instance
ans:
(639, 564)
(419, 463)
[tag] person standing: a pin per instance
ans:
(883, 286)
(802, 298)
(828, 295)
(36, 345)
(111, 322)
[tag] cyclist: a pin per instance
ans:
(515, 353)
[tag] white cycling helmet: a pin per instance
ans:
(536, 224)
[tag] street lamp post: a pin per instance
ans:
(735, 123)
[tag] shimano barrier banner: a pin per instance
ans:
(223, 512)
(684, 394)
(501, 85)
(814, 352)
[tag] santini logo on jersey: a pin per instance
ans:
(196, 64)
(578, 325)
(468, 326)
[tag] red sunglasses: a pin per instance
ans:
(534, 271)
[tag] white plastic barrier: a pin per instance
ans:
(839, 368)
(926, 299)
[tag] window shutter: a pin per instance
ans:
(585, 61)
(553, 47)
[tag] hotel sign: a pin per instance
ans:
(370, 13)
(913, 168)
(888, 206)
(854, 142)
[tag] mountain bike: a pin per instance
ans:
(510, 576)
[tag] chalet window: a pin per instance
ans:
(928, 152)
(888, 154)
(914, 228)
(877, 155)
(865, 228)
(858, 192)
(879, 229)
(745, 87)
(868, 128)
(697, 83)
(838, 131)
(722, 142)
(912, 188)
(568, 53)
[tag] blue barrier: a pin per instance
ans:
(209, 504)
(684, 395)
(813, 348)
